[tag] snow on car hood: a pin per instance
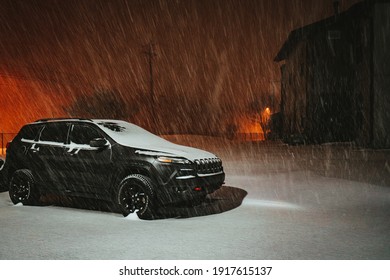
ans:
(133, 136)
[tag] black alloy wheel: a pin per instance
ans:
(22, 188)
(135, 194)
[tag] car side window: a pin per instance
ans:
(83, 134)
(29, 132)
(54, 132)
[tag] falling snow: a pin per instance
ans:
(211, 59)
(197, 72)
(279, 202)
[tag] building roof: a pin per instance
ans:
(307, 31)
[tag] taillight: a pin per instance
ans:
(7, 145)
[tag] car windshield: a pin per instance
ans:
(130, 134)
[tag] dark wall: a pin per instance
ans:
(334, 63)
(381, 72)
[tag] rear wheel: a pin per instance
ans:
(2, 185)
(23, 189)
(135, 194)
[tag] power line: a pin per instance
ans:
(47, 76)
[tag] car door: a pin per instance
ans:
(24, 155)
(89, 168)
(48, 156)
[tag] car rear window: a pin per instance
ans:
(29, 132)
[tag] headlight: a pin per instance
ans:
(173, 160)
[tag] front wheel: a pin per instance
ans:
(22, 188)
(135, 194)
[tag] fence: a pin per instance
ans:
(250, 136)
(5, 137)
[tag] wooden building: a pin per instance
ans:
(335, 83)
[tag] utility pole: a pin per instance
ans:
(151, 54)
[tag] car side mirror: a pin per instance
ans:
(99, 143)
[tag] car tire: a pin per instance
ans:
(3, 187)
(135, 194)
(22, 188)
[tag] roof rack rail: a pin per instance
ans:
(61, 119)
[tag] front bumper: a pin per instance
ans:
(190, 188)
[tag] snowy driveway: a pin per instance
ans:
(273, 207)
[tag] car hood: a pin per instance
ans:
(175, 151)
(130, 135)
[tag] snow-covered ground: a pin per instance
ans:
(279, 202)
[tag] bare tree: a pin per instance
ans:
(103, 103)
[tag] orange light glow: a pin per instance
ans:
(249, 129)
(24, 100)
(265, 115)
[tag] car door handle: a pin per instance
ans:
(34, 149)
(71, 152)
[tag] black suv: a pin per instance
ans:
(110, 160)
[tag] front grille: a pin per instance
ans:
(208, 165)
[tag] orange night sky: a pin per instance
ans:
(212, 59)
